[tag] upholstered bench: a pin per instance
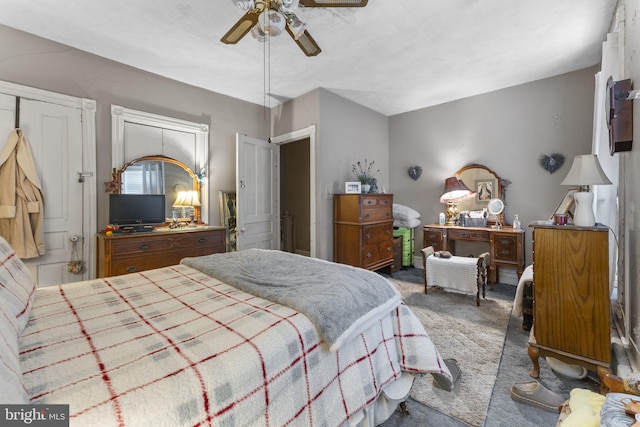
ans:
(460, 274)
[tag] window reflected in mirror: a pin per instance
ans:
(162, 175)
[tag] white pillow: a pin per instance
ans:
(404, 213)
(17, 288)
(13, 390)
(406, 223)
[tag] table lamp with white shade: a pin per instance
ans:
(585, 171)
(187, 199)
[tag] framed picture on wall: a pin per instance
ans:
(484, 190)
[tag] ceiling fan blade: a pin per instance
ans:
(334, 3)
(242, 27)
(306, 43)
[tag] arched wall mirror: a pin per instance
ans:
(487, 185)
(161, 175)
(174, 149)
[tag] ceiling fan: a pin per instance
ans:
(264, 18)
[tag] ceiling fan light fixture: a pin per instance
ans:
(272, 22)
(289, 5)
(245, 4)
(258, 34)
(297, 27)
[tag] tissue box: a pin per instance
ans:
(473, 222)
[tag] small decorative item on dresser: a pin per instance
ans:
(560, 219)
(364, 172)
(352, 187)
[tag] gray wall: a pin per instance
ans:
(33, 61)
(506, 131)
(347, 132)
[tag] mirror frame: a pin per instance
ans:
(121, 115)
(160, 158)
(473, 204)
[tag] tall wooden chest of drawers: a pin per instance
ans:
(130, 253)
(363, 230)
(571, 297)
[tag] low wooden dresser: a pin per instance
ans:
(363, 230)
(571, 309)
(133, 252)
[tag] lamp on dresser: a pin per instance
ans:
(454, 191)
(585, 171)
(187, 199)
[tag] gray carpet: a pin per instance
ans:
(514, 367)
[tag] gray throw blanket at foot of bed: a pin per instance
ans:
(339, 299)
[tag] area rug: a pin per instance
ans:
(472, 335)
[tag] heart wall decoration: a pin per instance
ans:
(552, 162)
(414, 172)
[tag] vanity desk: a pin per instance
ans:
(488, 191)
(506, 244)
(134, 252)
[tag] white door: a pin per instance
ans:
(54, 133)
(256, 193)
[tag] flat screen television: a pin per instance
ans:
(136, 209)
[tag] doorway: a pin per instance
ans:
(299, 189)
(295, 196)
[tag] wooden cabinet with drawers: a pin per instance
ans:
(363, 230)
(571, 302)
(133, 252)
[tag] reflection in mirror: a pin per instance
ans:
(161, 175)
(487, 185)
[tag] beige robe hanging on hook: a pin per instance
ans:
(21, 199)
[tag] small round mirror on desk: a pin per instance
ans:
(495, 208)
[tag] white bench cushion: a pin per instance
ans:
(459, 274)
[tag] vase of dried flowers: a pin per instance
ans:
(365, 173)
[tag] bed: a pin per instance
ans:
(179, 346)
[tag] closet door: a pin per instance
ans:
(54, 133)
(55, 136)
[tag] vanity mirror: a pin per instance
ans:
(487, 185)
(162, 175)
(181, 149)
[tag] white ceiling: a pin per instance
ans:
(392, 56)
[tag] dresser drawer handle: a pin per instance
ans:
(368, 235)
(366, 215)
(369, 255)
(132, 269)
(388, 249)
(202, 240)
(388, 231)
(143, 247)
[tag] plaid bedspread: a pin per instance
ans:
(173, 347)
